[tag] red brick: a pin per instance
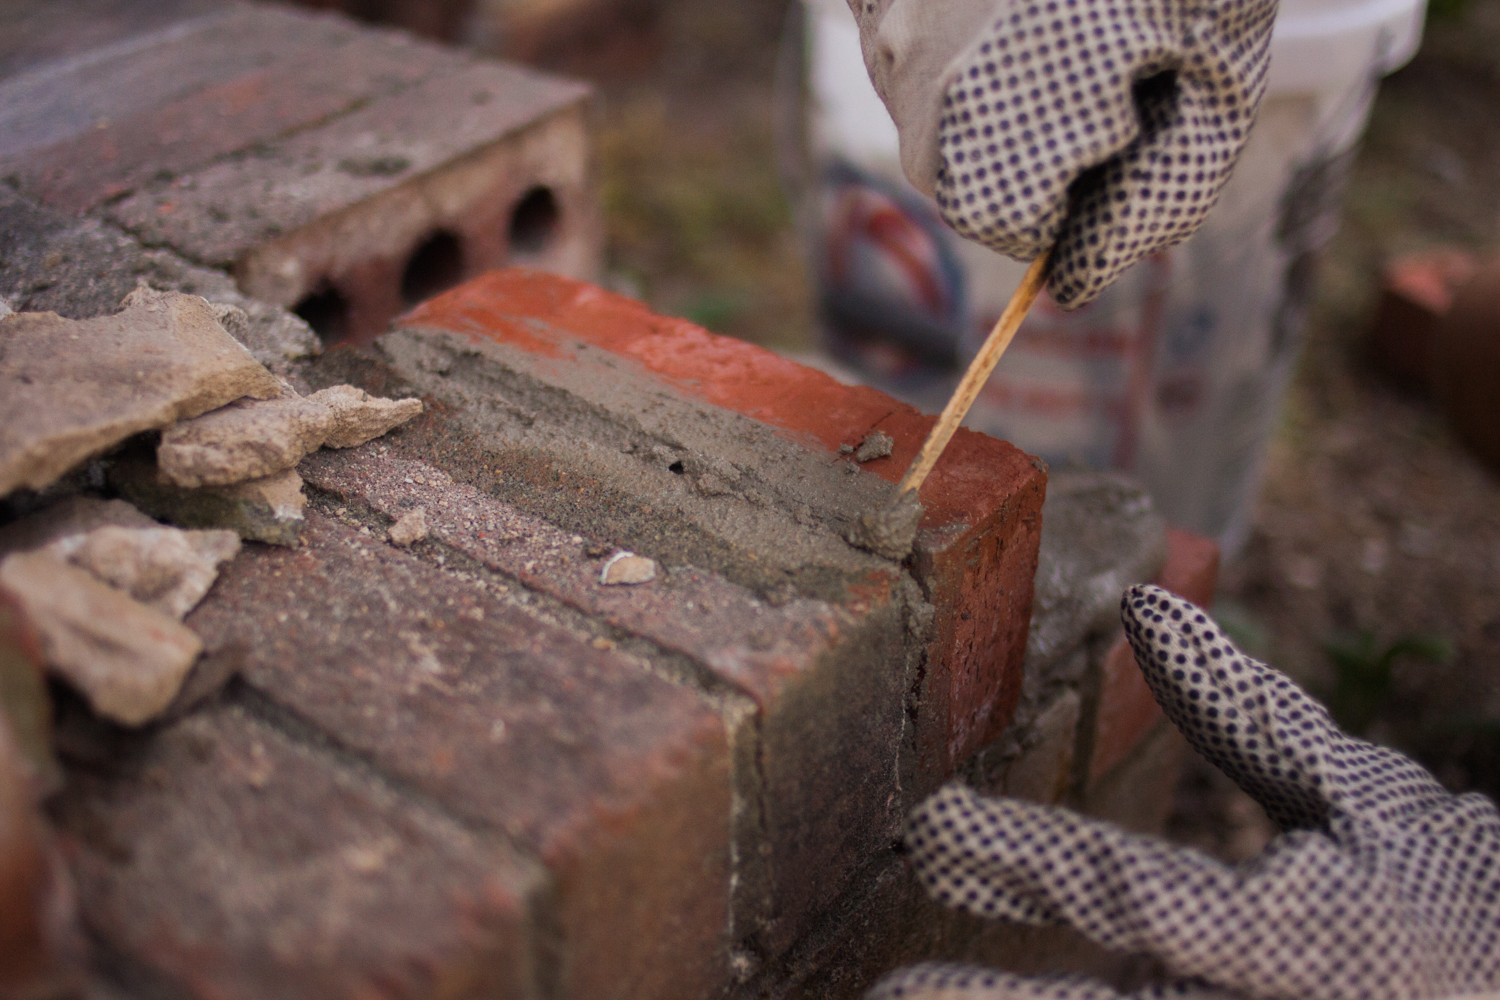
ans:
(346, 204)
(976, 549)
(816, 763)
(1416, 293)
(257, 76)
(40, 33)
(223, 860)
(615, 780)
(1127, 709)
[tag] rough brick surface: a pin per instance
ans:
(221, 859)
(616, 780)
(816, 762)
(975, 552)
(215, 85)
(1127, 709)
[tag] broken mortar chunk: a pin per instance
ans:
(72, 389)
(251, 439)
(126, 659)
(627, 568)
(359, 417)
(244, 440)
(877, 444)
(410, 528)
(167, 569)
(260, 510)
(890, 530)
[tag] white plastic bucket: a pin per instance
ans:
(1175, 373)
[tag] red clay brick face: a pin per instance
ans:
(976, 550)
(1127, 709)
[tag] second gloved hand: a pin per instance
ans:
(1105, 128)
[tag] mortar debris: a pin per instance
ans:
(410, 528)
(889, 531)
(627, 568)
(877, 444)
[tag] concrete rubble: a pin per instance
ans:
(252, 439)
(166, 569)
(164, 358)
(99, 588)
(127, 659)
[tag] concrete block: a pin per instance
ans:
(721, 462)
(616, 780)
(223, 859)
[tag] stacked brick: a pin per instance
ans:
(340, 171)
(462, 765)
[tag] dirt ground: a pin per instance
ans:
(1377, 537)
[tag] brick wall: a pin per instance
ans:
(467, 767)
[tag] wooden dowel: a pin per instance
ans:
(979, 372)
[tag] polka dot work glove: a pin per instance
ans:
(1104, 127)
(1381, 884)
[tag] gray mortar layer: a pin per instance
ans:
(741, 498)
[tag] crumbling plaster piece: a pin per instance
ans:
(358, 417)
(409, 528)
(72, 389)
(167, 569)
(251, 439)
(244, 440)
(127, 659)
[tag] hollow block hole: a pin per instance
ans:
(534, 222)
(327, 311)
(435, 266)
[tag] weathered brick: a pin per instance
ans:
(347, 205)
(34, 34)
(616, 780)
(221, 859)
(215, 86)
(1127, 710)
(975, 555)
(815, 766)
(704, 454)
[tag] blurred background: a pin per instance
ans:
(1347, 481)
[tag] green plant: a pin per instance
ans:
(1363, 674)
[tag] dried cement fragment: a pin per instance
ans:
(889, 530)
(877, 444)
(259, 510)
(126, 659)
(410, 528)
(359, 417)
(627, 568)
(72, 389)
(164, 568)
(244, 440)
(75, 515)
(250, 439)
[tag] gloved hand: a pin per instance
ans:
(1381, 885)
(1105, 128)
